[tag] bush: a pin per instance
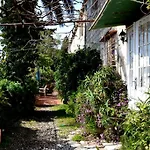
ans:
(28, 96)
(73, 68)
(5, 110)
(70, 109)
(137, 128)
(102, 103)
(16, 100)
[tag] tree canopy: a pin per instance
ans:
(19, 42)
(28, 11)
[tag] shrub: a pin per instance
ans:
(16, 100)
(28, 96)
(102, 102)
(70, 109)
(5, 110)
(137, 128)
(73, 68)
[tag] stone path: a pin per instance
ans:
(40, 133)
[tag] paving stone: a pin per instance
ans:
(82, 142)
(80, 148)
(113, 147)
(70, 136)
(89, 146)
(92, 148)
(74, 144)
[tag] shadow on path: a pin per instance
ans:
(38, 132)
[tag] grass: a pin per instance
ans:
(65, 123)
(58, 107)
(28, 123)
(78, 138)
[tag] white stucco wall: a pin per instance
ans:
(122, 52)
(78, 41)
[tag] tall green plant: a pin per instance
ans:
(103, 98)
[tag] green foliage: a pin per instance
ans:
(102, 103)
(70, 109)
(73, 68)
(137, 128)
(47, 49)
(18, 88)
(48, 55)
(21, 54)
(78, 137)
(16, 100)
(148, 4)
(47, 76)
(19, 42)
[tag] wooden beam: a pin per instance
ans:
(44, 23)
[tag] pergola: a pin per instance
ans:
(47, 13)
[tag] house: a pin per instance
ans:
(77, 36)
(105, 40)
(135, 50)
(81, 36)
(121, 32)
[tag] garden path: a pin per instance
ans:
(39, 131)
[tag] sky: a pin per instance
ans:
(61, 29)
(67, 27)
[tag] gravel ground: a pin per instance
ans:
(36, 133)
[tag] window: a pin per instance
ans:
(139, 57)
(110, 47)
(144, 54)
(130, 42)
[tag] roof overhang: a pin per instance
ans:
(118, 12)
